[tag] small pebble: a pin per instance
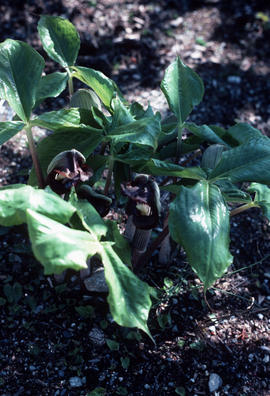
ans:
(266, 359)
(75, 382)
(214, 382)
(234, 79)
(260, 316)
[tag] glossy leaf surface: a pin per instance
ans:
(50, 86)
(102, 85)
(143, 132)
(58, 247)
(242, 132)
(121, 245)
(262, 197)
(92, 221)
(205, 132)
(199, 221)
(17, 198)
(231, 193)
(183, 89)
(9, 129)
(20, 72)
(60, 39)
(129, 297)
(247, 162)
(58, 120)
(163, 168)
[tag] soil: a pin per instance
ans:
(58, 339)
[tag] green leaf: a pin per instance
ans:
(20, 72)
(113, 345)
(231, 193)
(247, 162)
(125, 362)
(180, 390)
(199, 221)
(13, 293)
(85, 99)
(50, 86)
(58, 120)
(121, 245)
(86, 311)
(129, 297)
(104, 87)
(205, 132)
(121, 114)
(58, 247)
(183, 89)
(60, 39)
(97, 392)
(142, 132)
(262, 197)
(242, 132)
(135, 156)
(163, 168)
(84, 139)
(17, 198)
(211, 156)
(8, 129)
(90, 217)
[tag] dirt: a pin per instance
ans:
(57, 339)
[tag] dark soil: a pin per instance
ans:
(56, 339)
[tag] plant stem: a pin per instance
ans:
(70, 83)
(243, 208)
(153, 246)
(34, 156)
(179, 138)
(109, 175)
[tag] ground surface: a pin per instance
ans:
(54, 340)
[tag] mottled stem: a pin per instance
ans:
(109, 176)
(34, 156)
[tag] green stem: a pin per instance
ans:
(179, 138)
(243, 208)
(109, 175)
(33, 152)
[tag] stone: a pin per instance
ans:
(97, 337)
(234, 79)
(96, 282)
(214, 382)
(75, 382)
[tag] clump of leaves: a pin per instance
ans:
(105, 133)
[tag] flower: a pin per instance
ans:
(67, 169)
(144, 201)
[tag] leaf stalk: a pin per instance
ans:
(34, 156)
(109, 175)
(244, 207)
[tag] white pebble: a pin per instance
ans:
(214, 382)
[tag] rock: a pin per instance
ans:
(84, 273)
(75, 382)
(97, 337)
(234, 79)
(266, 359)
(96, 282)
(60, 278)
(214, 382)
